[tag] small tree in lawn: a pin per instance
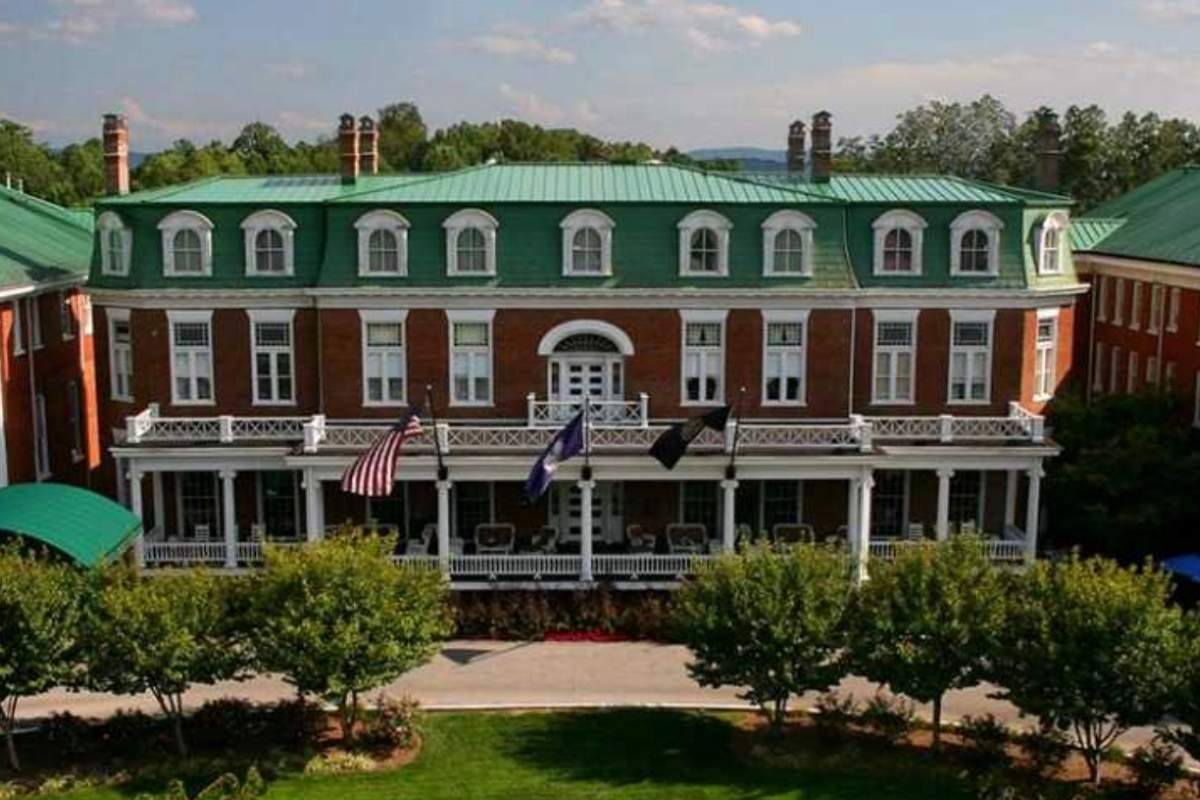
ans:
(1089, 647)
(925, 623)
(160, 635)
(1185, 697)
(39, 624)
(339, 618)
(770, 620)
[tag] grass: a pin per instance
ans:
(623, 754)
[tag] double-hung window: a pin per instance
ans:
(191, 357)
(1118, 315)
(970, 356)
(1135, 306)
(384, 363)
(273, 362)
(1102, 283)
(1173, 310)
(895, 356)
(703, 357)
(470, 357)
(783, 357)
(120, 349)
(1046, 354)
(1157, 296)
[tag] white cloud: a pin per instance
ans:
(172, 126)
(522, 44)
(711, 27)
(531, 106)
(1170, 10)
(82, 21)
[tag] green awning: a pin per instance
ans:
(87, 527)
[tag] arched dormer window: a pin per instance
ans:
(975, 243)
(899, 237)
(269, 243)
(116, 244)
(382, 244)
(187, 244)
(587, 243)
(1051, 243)
(471, 242)
(704, 244)
(788, 243)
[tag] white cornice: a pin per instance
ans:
(1137, 269)
(26, 289)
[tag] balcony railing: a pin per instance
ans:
(998, 551)
(617, 413)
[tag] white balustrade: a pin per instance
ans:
(616, 413)
(998, 551)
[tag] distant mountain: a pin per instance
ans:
(758, 159)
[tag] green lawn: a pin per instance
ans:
(647, 755)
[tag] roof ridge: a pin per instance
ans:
(43, 206)
(741, 178)
(419, 181)
(1016, 192)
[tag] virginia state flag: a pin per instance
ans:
(566, 443)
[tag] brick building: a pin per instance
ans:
(889, 343)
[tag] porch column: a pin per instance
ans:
(585, 530)
(1032, 512)
(943, 504)
(229, 520)
(122, 487)
(854, 487)
(1010, 498)
(443, 526)
(135, 505)
(314, 507)
(867, 483)
(160, 507)
(728, 526)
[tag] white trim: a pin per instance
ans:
(774, 316)
(18, 327)
(894, 315)
(461, 220)
(1174, 299)
(390, 222)
(1040, 349)
(901, 219)
(1118, 315)
(269, 220)
(1135, 306)
(1158, 297)
(693, 222)
(115, 315)
(572, 224)
(279, 316)
(576, 326)
(687, 316)
(454, 317)
(205, 317)
(1183, 276)
(788, 220)
(1057, 221)
(977, 219)
(106, 223)
(384, 316)
(178, 221)
(968, 316)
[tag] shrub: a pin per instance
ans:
(227, 722)
(393, 723)
(338, 762)
(1046, 749)
(69, 735)
(1156, 767)
(987, 735)
(835, 712)
(293, 722)
(891, 718)
(132, 732)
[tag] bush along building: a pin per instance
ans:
(887, 345)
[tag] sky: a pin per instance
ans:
(689, 73)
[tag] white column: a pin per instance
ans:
(864, 526)
(585, 530)
(1032, 511)
(728, 526)
(122, 485)
(943, 504)
(314, 507)
(854, 486)
(160, 507)
(443, 526)
(135, 505)
(1010, 498)
(229, 520)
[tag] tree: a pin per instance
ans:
(1089, 647)
(925, 623)
(339, 618)
(769, 620)
(402, 135)
(1185, 700)
(161, 635)
(39, 623)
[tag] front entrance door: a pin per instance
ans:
(607, 512)
(575, 377)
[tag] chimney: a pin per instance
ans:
(822, 146)
(1049, 151)
(795, 148)
(348, 148)
(116, 154)
(368, 146)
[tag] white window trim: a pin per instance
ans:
(910, 316)
(1135, 306)
(115, 315)
(1060, 222)
(702, 315)
(267, 220)
(693, 222)
(382, 220)
(788, 220)
(186, 220)
(1038, 347)
(1174, 296)
(985, 221)
(18, 327)
(906, 220)
(1158, 297)
(453, 317)
(105, 224)
(384, 315)
(1102, 283)
(784, 316)
(177, 316)
(577, 221)
(1118, 315)
(471, 218)
(974, 315)
(278, 316)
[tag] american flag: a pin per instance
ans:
(372, 473)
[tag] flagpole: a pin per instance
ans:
(731, 468)
(442, 472)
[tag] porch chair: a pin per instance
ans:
(202, 533)
(640, 540)
(258, 532)
(793, 533)
(915, 532)
(545, 540)
(420, 545)
(495, 537)
(684, 537)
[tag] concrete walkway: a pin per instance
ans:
(488, 674)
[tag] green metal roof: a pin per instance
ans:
(1160, 220)
(84, 525)
(41, 242)
(914, 189)
(1086, 232)
(260, 189)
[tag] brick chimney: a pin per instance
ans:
(795, 148)
(116, 154)
(368, 146)
(822, 146)
(348, 148)
(1049, 152)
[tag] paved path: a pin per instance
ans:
(487, 674)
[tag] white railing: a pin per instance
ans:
(645, 565)
(998, 551)
(184, 553)
(617, 413)
(147, 426)
(825, 436)
(1020, 425)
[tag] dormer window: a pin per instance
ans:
(587, 243)
(1050, 244)
(269, 236)
(899, 236)
(187, 244)
(704, 244)
(471, 243)
(116, 244)
(382, 244)
(975, 244)
(787, 244)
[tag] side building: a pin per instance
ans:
(888, 343)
